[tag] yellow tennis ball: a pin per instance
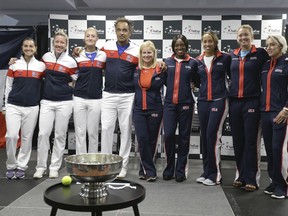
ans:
(66, 180)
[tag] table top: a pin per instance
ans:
(68, 198)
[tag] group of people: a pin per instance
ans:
(250, 82)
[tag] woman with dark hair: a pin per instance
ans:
(22, 97)
(274, 115)
(178, 108)
(213, 68)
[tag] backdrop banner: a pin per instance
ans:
(161, 30)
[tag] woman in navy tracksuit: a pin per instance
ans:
(178, 108)
(22, 97)
(214, 66)
(274, 115)
(148, 109)
(244, 108)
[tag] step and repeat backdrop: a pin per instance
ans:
(161, 30)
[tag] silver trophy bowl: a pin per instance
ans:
(94, 171)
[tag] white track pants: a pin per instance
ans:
(86, 118)
(113, 106)
(50, 111)
(25, 118)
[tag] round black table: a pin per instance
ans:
(67, 197)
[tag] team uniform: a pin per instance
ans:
(22, 97)
(274, 77)
(178, 109)
(87, 100)
(212, 111)
(118, 97)
(244, 112)
(56, 105)
(147, 116)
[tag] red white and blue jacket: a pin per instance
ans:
(213, 82)
(89, 82)
(120, 69)
(148, 84)
(245, 73)
(274, 80)
(179, 78)
(59, 72)
(23, 83)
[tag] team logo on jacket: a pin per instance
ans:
(129, 58)
(251, 110)
(187, 66)
(155, 115)
(34, 74)
(214, 109)
(60, 68)
(186, 107)
(278, 70)
(219, 63)
(253, 58)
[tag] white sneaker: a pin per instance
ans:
(39, 174)
(123, 173)
(53, 174)
(208, 182)
(200, 180)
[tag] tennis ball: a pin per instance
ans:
(66, 180)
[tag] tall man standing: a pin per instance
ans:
(118, 95)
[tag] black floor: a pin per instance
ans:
(242, 203)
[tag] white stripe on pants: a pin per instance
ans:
(25, 118)
(86, 118)
(50, 111)
(117, 105)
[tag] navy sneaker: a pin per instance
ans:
(151, 178)
(19, 174)
(10, 174)
(270, 189)
(278, 196)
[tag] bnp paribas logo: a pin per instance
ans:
(77, 30)
(152, 30)
(270, 30)
(99, 30)
(171, 30)
(111, 30)
(55, 28)
(168, 49)
(256, 32)
(209, 29)
(227, 48)
(193, 50)
(189, 30)
(137, 31)
(229, 30)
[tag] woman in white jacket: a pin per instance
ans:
(22, 96)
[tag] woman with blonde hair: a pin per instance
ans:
(56, 105)
(88, 93)
(148, 109)
(274, 115)
(244, 108)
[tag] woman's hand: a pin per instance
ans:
(162, 65)
(282, 117)
(12, 61)
(76, 51)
